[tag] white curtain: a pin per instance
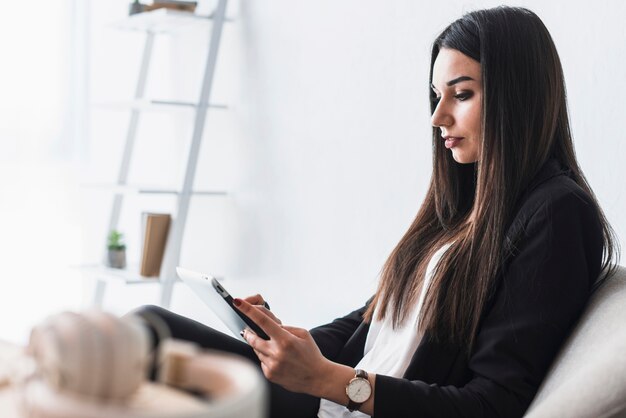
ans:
(40, 137)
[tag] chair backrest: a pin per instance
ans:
(588, 377)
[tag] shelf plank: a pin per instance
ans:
(162, 21)
(154, 105)
(177, 103)
(128, 276)
(149, 190)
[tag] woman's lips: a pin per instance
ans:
(452, 141)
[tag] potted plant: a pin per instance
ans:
(117, 250)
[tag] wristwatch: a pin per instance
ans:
(358, 390)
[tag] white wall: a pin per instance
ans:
(326, 146)
(41, 236)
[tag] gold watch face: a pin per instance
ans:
(359, 390)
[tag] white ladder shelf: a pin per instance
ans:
(153, 23)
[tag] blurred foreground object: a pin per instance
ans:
(94, 365)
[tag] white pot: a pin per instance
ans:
(117, 259)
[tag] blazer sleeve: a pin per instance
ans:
(331, 338)
(543, 291)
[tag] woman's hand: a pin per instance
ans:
(260, 303)
(291, 357)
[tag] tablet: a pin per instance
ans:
(219, 300)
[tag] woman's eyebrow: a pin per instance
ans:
(454, 81)
(458, 80)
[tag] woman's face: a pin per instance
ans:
(458, 87)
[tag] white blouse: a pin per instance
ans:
(388, 351)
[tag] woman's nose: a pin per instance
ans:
(441, 117)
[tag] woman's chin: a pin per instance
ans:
(463, 158)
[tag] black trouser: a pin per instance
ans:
(283, 404)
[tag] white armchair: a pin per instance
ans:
(588, 377)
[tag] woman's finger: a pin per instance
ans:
(265, 364)
(267, 324)
(255, 299)
(263, 358)
(298, 332)
(258, 344)
(270, 314)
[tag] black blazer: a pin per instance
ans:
(556, 242)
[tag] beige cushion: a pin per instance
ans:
(588, 377)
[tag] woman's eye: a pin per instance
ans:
(459, 96)
(463, 95)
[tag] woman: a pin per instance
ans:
(480, 293)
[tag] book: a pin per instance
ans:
(137, 7)
(155, 230)
(183, 6)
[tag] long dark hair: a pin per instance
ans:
(524, 123)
